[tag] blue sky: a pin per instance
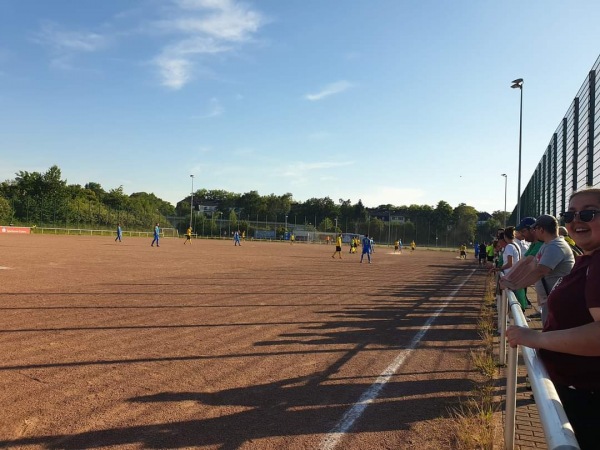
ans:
(394, 101)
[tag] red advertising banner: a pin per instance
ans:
(15, 230)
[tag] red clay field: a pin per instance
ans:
(263, 346)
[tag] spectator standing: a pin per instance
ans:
(482, 254)
(489, 253)
(553, 261)
(511, 254)
(527, 237)
(577, 251)
(569, 344)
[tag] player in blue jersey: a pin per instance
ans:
(156, 235)
(366, 249)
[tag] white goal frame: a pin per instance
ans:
(169, 232)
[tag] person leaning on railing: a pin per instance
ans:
(553, 260)
(569, 344)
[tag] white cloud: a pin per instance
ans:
(330, 89)
(65, 45)
(70, 41)
(203, 28)
(175, 72)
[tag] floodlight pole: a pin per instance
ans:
(192, 201)
(505, 184)
(518, 84)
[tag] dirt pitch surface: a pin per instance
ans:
(263, 346)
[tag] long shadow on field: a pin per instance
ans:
(287, 408)
(314, 405)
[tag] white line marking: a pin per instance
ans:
(353, 414)
(4, 268)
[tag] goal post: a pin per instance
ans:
(169, 232)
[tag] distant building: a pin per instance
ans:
(387, 216)
(483, 217)
(206, 206)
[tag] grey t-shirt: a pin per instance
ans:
(558, 256)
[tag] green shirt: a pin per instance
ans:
(533, 248)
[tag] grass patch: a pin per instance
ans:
(474, 418)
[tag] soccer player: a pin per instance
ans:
(366, 249)
(396, 245)
(156, 235)
(188, 236)
(119, 233)
(236, 239)
(338, 246)
(413, 246)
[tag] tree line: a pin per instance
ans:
(45, 199)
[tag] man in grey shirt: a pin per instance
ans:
(553, 261)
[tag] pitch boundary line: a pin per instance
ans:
(355, 412)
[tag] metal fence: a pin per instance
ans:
(557, 429)
(571, 160)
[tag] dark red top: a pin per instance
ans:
(568, 307)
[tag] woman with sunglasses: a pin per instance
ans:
(569, 344)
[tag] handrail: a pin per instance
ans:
(557, 429)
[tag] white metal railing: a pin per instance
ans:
(557, 429)
(90, 232)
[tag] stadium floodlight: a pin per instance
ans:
(518, 84)
(192, 201)
(505, 181)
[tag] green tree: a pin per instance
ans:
(465, 220)
(326, 225)
(501, 217)
(251, 203)
(375, 228)
(6, 211)
(233, 219)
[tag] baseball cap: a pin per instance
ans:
(527, 222)
(545, 221)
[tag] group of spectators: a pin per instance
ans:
(563, 263)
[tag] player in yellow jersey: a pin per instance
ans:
(338, 246)
(188, 236)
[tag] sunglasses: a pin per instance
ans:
(587, 215)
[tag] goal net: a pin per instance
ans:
(169, 232)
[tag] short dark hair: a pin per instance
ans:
(509, 233)
(547, 223)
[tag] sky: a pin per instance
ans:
(386, 101)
